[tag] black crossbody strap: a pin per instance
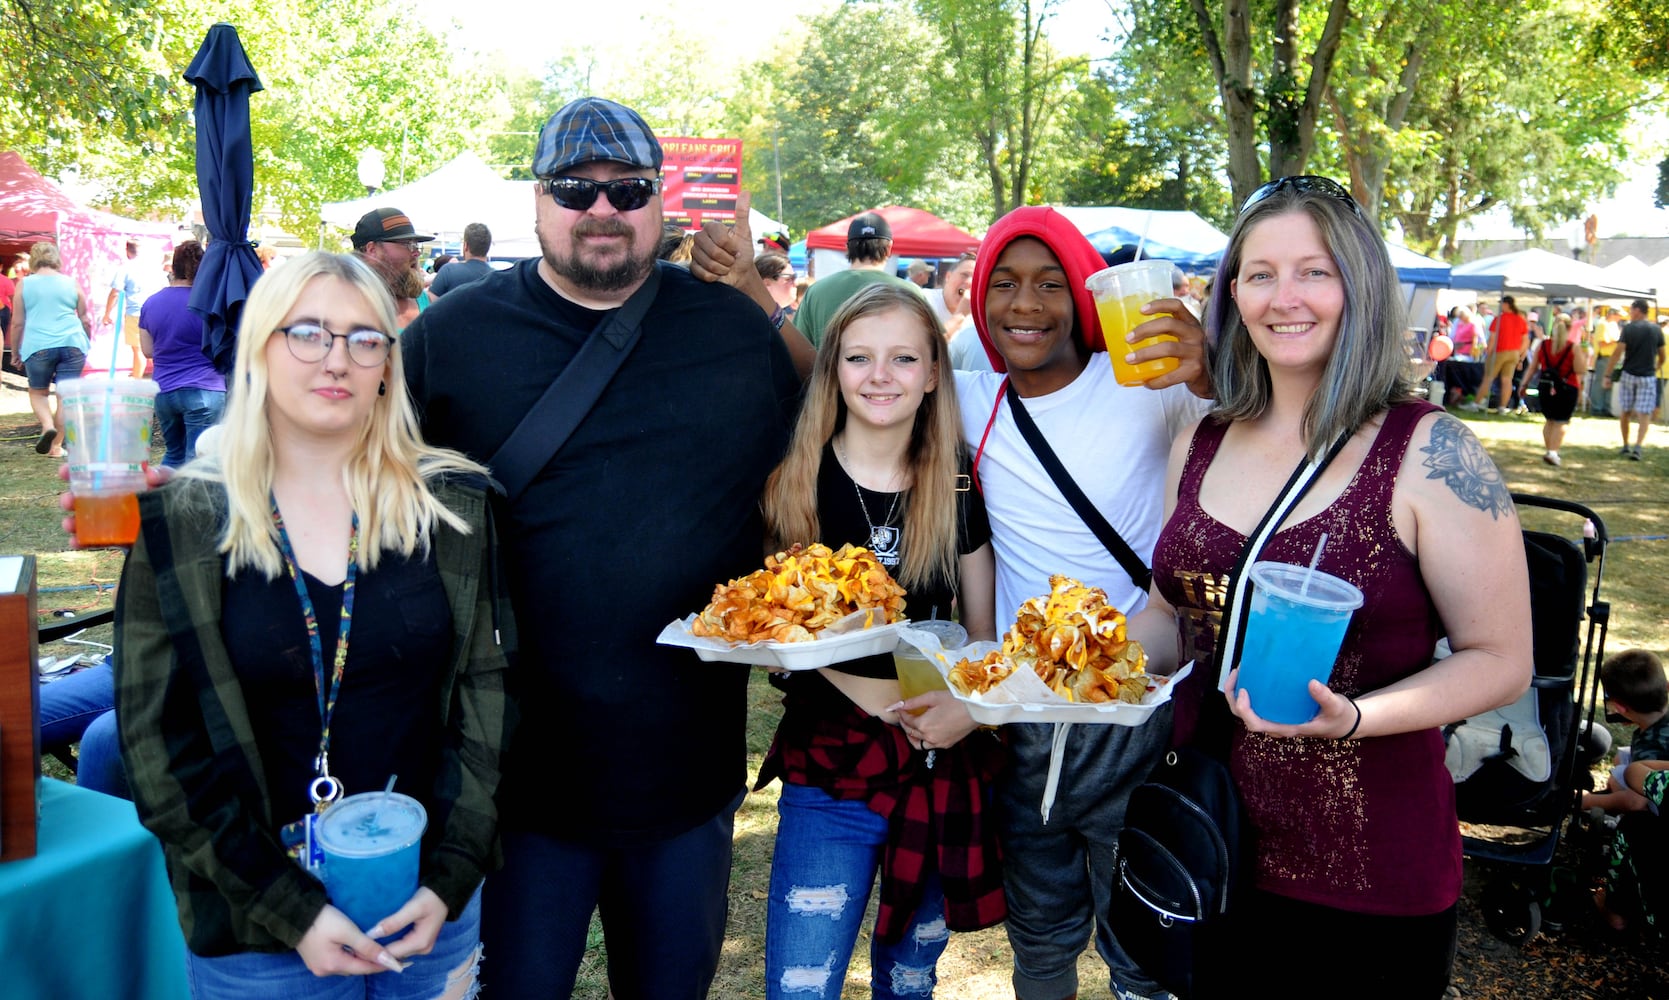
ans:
(1231, 634)
(1140, 575)
(572, 394)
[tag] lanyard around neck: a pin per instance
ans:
(326, 695)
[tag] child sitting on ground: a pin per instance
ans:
(1636, 691)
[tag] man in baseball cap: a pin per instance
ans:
(622, 781)
(386, 234)
(868, 247)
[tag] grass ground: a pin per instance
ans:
(1627, 495)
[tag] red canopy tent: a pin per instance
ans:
(915, 233)
(90, 242)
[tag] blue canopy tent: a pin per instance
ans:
(1183, 238)
(1196, 245)
(797, 256)
(1414, 269)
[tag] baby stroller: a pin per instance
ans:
(1516, 768)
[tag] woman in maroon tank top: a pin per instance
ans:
(1356, 867)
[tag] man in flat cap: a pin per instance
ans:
(629, 763)
(868, 247)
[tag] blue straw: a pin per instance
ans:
(109, 393)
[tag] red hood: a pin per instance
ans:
(1077, 257)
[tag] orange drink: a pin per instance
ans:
(107, 434)
(106, 520)
(1120, 292)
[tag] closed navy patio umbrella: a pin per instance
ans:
(226, 181)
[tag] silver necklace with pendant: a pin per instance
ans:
(878, 537)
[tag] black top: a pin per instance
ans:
(652, 501)
(1640, 340)
(385, 720)
(842, 520)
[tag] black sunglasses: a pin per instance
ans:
(1301, 183)
(626, 194)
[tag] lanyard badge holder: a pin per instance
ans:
(325, 790)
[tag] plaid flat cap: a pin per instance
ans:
(592, 129)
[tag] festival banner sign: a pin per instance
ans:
(700, 180)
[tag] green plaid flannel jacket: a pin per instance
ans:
(190, 751)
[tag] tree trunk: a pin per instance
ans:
(1292, 110)
(1231, 64)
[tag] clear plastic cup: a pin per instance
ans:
(107, 435)
(1120, 292)
(1293, 634)
(916, 673)
(372, 843)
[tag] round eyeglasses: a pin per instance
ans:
(311, 342)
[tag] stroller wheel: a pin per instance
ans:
(1511, 912)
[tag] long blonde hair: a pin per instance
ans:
(930, 505)
(388, 475)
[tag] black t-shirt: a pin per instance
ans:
(651, 502)
(1640, 340)
(842, 520)
(388, 712)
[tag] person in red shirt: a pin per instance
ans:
(1507, 336)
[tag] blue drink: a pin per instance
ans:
(371, 843)
(1293, 633)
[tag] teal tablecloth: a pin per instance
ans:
(91, 915)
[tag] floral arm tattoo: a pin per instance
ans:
(1456, 457)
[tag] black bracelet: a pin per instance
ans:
(1358, 723)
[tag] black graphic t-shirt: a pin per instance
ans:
(842, 519)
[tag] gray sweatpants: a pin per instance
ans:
(1059, 875)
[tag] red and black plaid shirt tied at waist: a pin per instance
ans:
(936, 816)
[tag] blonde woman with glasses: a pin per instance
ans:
(315, 601)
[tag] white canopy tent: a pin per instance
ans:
(444, 202)
(466, 190)
(1632, 272)
(1538, 272)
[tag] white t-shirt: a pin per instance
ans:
(967, 351)
(1114, 441)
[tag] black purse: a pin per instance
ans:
(1183, 849)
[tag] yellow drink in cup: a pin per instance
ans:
(1120, 292)
(916, 673)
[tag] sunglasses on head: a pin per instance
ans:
(1302, 183)
(626, 194)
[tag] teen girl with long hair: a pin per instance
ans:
(876, 460)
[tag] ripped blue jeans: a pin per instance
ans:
(828, 853)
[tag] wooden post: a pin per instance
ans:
(20, 730)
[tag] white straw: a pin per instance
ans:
(1140, 243)
(1320, 544)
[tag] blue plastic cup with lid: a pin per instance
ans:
(1295, 623)
(372, 843)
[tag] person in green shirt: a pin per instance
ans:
(868, 247)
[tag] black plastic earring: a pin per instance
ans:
(382, 388)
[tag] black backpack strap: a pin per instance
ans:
(1140, 575)
(572, 394)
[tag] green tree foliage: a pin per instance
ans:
(995, 74)
(1636, 31)
(1518, 110)
(851, 133)
(1274, 91)
(1157, 141)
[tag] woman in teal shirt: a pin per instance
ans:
(51, 325)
